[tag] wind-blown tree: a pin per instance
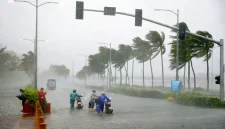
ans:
(104, 56)
(141, 49)
(203, 49)
(96, 66)
(118, 62)
(27, 64)
(59, 70)
(81, 74)
(133, 57)
(8, 61)
(185, 54)
(114, 54)
(157, 41)
(126, 52)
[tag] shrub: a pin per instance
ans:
(31, 94)
(184, 98)
(198, 89)
(170, 94)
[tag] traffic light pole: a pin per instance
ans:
(222, 70)
(220, 43)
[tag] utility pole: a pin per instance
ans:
(177, 44)
(36, 5)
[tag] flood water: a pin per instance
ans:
(129, 113)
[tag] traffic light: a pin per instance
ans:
(182, 30)
(138, 17)
(79, 10)
(217, 79)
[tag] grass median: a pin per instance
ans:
(185, 98)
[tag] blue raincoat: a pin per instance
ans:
(101, 102)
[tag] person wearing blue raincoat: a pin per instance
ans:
(73, 97)
(101, 102)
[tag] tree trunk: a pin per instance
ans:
(184, 76)
(207, 72)
(126, 73)
(127, 77)
(193, 74)
(143, 74)
(115, 76)
(102, 78)
(150, 62)
(189, 86)
(120, 77)
(133, 72)
(162, 68)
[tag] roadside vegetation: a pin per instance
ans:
(193, 98)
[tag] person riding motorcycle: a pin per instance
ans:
(93, 97)
(101, 102)
(73, 97)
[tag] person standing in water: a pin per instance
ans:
(73, 97)
(42, 99)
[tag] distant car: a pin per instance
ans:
(51, 84)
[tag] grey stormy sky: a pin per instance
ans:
(68, 36)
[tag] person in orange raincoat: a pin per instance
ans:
(42, 99)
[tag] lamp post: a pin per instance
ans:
(85, 56)
(110, 62)
(177, 44)
(36, 34)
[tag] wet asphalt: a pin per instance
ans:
(129, 113)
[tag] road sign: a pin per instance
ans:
(110, 11)
(138, 17)
(79, 10)
(175, 86)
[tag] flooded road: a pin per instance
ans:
(130, 113)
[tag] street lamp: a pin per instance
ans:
(85, 56)
(177, 55)
(110, 62)
(36, 34)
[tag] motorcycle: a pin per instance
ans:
(79, 103)
(108, 108)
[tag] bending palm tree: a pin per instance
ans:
(157, 41)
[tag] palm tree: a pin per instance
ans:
(118, 62)
(95, 65)
(133, 56)
(185, 54)
(203, 48)
(141, 49)
(157, 41)
(126, 52)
